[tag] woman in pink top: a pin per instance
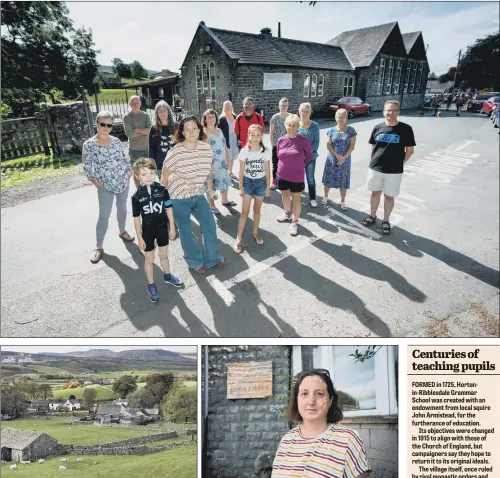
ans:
(294, 154)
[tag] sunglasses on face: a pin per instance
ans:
(105, 125)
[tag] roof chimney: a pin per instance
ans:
(266, 32)
(279, 29)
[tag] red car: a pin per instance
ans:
(489, 106)
(352, 104)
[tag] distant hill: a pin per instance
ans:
(109, 69)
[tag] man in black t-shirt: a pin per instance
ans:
(392, 145)
(152, 203)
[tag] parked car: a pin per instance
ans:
(427, 100)
(489, 106)
(477, 103)
(352, 104)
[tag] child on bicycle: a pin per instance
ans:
(152, 206)
(254, 181)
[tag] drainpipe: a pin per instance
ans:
(205, 412)
(402, 83)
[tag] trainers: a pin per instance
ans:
(153, 293)
(286, 216)
(314, 203)
(173, 280)
(324, 201)
(293, 228)
(343, 206)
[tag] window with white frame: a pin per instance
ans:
(211, 74)
(307, 85)
(160, 92)
(204, 78)
(419, 81)
(397, 79)
(351, 86)
(390, 72)
(321, 85)
(413, 77)
(346, 86)
(314, 84)
(381, 74)
(407, 76)
(367, 388)
(198, 79)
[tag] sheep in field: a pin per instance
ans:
(13, 467)
(64, 460)
(79, 460)
(41, 460)
(25, 462)
(62, 467)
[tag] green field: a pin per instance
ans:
(78, 434)
(179, 462)
(103, 393)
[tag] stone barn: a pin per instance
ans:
(17, 445)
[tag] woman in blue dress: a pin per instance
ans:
(341, 143)
(220, 159)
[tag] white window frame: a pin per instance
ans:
(381, 75)
(204, 78)
(413, 77)
(307, 85)
(197, 74)
(397, 80)
(419, 82)
(321, 85)
(390, 74)
(211, 79)
(385, 377)
(346, 86)
(350, 88)
(407, 76)
(314, 85)
(160, 92)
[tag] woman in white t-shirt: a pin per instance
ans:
(254, 181)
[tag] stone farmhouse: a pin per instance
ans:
(376, 64)
(55, 405)
(26, 445)
(119, 413)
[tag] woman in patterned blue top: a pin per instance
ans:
(220, 159)
(341, 143)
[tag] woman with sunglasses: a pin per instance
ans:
(108, 168)
(318, 446)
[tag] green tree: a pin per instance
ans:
(159, 384)
(432, 76)
(137, 70)
(141, 398)
(180, 405)
(12, 403)
(89, 396)
(124, 385)
(479, 68)
(45, 391)
(120, 68)
(42, 51)
(72, 397)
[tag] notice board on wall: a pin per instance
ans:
(277, 81)
(249, 380)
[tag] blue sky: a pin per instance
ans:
(158, 34)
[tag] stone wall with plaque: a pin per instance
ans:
(250, 380)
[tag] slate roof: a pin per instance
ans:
(109, 410)
(258, 49)
(409, 40)
(362, 46)
(18, 439)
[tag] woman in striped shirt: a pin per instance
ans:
(319, 447)
(187, 167)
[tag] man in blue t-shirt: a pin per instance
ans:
(393, 144)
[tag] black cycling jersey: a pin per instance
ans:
(151, 207)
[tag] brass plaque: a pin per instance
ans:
(249, 380)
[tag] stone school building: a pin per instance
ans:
(245, 391)
(375, 64)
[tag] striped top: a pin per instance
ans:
(337, 453)
(189, 170)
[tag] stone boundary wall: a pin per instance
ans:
(137, 427)
(119, 450)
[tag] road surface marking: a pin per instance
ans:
(467, 143)
(221, 289)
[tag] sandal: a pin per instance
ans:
(238, 247)
(201, 270)
(258, 239)
(229, 204)
(215, 211)
(96, 255)
(126, 236)
(386, 227)
(369, 220)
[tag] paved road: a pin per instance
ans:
(436, 275)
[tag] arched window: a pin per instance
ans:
(321, 85)
(198, 79)
(204, 78)
(351, 86)
(381, 76)
(307, 85)
(211, 74)
(314, 84)
(346, 86)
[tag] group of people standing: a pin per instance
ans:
(194, 161)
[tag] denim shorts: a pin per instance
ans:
(254, 187)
